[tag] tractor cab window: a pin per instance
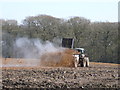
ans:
(82, 51)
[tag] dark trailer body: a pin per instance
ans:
(68, 42)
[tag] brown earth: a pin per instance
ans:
(59, 59)
(54, 59)
(59, 74)
(95, 76)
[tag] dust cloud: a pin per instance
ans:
(35, 52)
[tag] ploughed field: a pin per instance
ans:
(52, 73)
(98, 75)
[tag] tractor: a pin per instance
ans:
(81, 59)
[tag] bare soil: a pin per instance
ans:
(19, 73)
(98, 75)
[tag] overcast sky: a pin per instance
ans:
(95, 10)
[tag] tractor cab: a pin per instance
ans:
(81, 50)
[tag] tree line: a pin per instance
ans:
(100, 39)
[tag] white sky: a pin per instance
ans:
(95, 10)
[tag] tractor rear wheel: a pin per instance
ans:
(87, 62)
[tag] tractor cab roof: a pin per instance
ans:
(80, 49)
